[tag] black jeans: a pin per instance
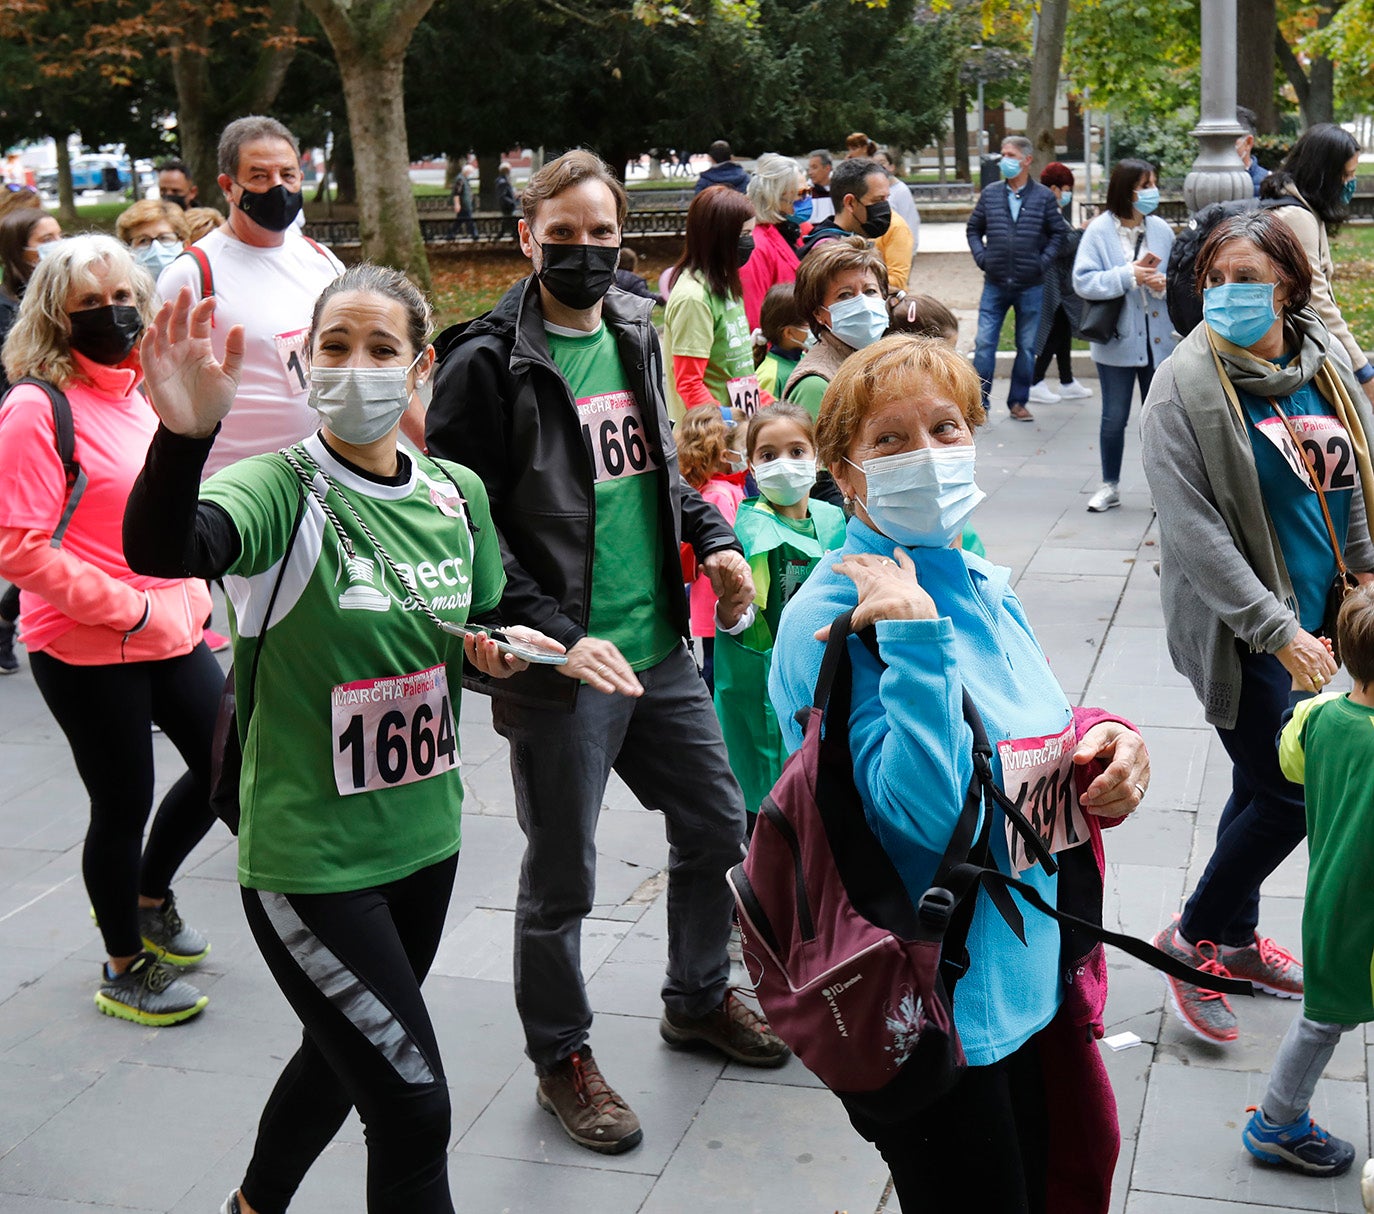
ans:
(350, 964)
(983, 1147)
(1264, 818)
(107, 713)
(1058, 345)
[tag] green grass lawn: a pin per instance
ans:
(1353, 253)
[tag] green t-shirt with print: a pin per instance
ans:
(807, 392)
(350, 751)
(629, 600)
(700, 324)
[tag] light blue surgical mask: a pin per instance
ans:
(1241, 312)
(785, 482)
(158, 256)
(859, 320)
(1065, 199)
(47, 247)
(921, 499)
(1010, 167)
(1147, 200)
(1348, 191)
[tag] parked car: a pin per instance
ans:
(90, 173)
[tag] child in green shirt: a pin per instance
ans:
(1327, 745)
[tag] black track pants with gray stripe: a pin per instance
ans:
(351, 964)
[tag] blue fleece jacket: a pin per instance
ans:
(913, 758)
(726, 173)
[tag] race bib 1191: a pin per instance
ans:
(1037, 774)
(392, 731)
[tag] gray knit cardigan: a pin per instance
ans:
(1222, 575)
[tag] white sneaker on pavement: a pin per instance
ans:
(1042, 394)
(1104, 499)
(1073, 390)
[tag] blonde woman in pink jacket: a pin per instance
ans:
(112, 652)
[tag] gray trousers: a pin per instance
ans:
(667, 747)
(1307, 1048)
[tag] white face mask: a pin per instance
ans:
(735, 461)
(785, 482)
(859, 320)
(921, 498)
(157, 256)
(360, 404)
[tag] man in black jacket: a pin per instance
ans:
(1014, 234)
(555, 398)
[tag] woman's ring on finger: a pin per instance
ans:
(1140, 788)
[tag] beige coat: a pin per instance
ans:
(1311, 234)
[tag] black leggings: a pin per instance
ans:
(9, 605)
(1059, 344)
(351, 964)
(107, 713)
(983, 1147)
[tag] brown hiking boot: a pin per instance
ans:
(734, 1028)
(591, 1111)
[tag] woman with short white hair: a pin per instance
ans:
(112, 652)
(775, 188)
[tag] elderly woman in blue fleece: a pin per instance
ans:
(1031, 1124)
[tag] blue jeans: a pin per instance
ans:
(1118, 386)
(992, 311)
(1264, 818)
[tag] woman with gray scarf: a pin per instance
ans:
(1251, 406)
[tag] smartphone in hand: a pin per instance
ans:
(1148, 260)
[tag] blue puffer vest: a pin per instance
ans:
(1016, 254)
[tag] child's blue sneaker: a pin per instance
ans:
(1301, 1145)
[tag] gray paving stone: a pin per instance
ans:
(760, 1149)
(1167, 1203)
(1178, 767)
(482, 945)
(1097, 562)
(1139, 898)
(1190, 1141)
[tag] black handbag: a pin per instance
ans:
(1100, 317)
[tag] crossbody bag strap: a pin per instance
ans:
(1317, 485)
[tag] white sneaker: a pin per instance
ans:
(1073, 390)
(1042, 395)
(1104, 499)
(1367, 1185)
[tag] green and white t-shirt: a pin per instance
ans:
(629, 598)
(700, 324)
(350, 753)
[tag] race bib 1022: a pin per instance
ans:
(1325, 442)
(392, 731)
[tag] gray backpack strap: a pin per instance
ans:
(65, 435)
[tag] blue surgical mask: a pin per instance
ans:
(801, 209)
(921, 499)
(1065, 199)
(859, 320)
(1348, 191)
(1241, 312)
(1010, 167)
(47, 247)
(158, 256)
(1147, 200)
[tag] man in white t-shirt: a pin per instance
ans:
(266, 276)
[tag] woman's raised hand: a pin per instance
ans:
(888, 589)
(191, 390)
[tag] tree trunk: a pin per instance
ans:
(1315, 88)
(342, 169)
(487, 164)
(389, 224)
(1256, 27)
(959, 135)
(1044, 82)
(66, 196)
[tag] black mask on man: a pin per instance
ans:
(106, 335)
(578, 275)
(879, 219)
(275, 209)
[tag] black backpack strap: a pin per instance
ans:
(64, 431)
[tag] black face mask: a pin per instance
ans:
(275, 209)
(106, 335)
(744, 250)
(578, 275)
(179, 199)
(878, 221)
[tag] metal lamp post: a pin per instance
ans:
(1218, 174)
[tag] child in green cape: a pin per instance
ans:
(784, 533)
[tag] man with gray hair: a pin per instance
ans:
(1015, 233)
(1245, 146)
(265, 275)
(818, 166)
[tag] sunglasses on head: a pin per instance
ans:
(15, 188)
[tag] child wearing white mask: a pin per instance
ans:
(784, 532)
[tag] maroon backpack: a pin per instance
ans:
(854, 978)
